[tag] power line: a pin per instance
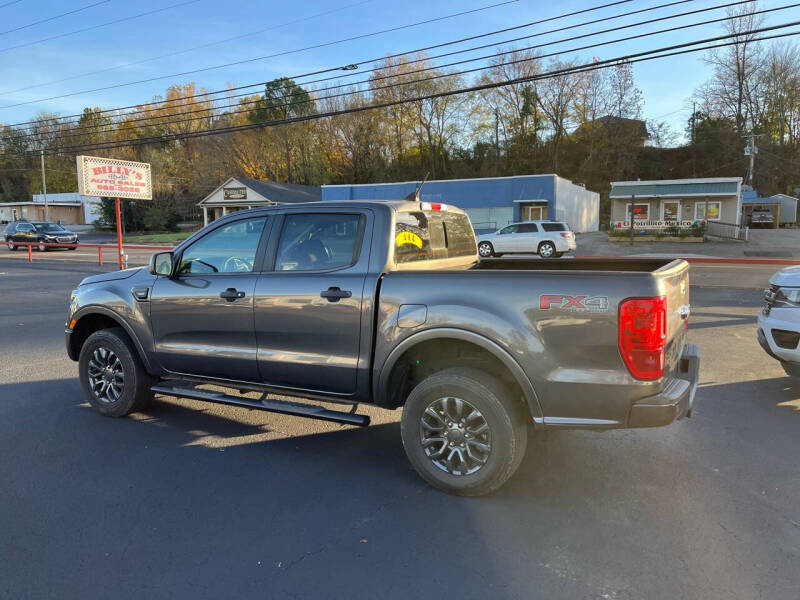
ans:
(664, 52)
(277, 54)
(258, 84)
(170, 119)
(372, 60)
(48, 19)
(184, 51)
(10, 3)
(98, 26)
(294, 77)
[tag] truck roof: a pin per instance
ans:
(395, 205)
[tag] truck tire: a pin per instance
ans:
(11, 246)
(547, 250)
(463, 431)
(112, 374)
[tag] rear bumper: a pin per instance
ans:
(565, 245)
(676, 399)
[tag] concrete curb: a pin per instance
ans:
(706, 259)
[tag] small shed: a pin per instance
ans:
(241, 193)
(788, 210)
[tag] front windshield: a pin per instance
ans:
(45, 227)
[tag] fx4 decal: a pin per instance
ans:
(594, 304)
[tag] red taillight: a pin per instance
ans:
(565, 234)
(643, 335)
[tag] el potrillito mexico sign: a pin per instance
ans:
(114, 178)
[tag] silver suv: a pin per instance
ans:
(548, 239)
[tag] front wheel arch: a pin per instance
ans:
(95, 319)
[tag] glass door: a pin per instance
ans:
(671, 211)
(533, 213)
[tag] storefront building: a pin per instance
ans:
(676, 202)
(241, 193)
(67, 208)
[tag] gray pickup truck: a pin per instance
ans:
(386, 303)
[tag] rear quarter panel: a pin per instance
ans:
(569, 350)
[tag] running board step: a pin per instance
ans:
(277, 406)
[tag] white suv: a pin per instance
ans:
(548, 239)
(779, 321)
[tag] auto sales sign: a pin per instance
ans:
(114, 178)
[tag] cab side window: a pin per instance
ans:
(228, 249)
(319, 241)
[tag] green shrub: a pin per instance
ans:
(160, 217)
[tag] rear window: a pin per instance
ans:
(555, 227)
(432, 235)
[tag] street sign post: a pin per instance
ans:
(115, 178)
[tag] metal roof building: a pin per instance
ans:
(492, 202)
(678, 200)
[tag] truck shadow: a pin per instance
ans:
(226, 487)
(722, 319)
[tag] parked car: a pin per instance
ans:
(762, 218)
(40, 233)
(386, 303)
(779, 321)
(548, 239)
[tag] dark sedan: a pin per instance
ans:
(40, 233)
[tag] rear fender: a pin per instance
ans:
(381, 383)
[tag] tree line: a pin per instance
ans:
(587, 126)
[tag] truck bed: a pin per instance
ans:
(639, 265)
(557, 318)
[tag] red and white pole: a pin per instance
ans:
(119, 234)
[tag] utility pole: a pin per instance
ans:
(633, 210)
(694, 141)
(44, 186)
(496, 141)
(752, 150)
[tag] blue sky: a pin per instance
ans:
(666, 84)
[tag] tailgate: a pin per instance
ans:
(674, 284)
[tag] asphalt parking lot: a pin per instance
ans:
(206, 501)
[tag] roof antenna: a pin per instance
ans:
(414, 196)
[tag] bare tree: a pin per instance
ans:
(733, 87)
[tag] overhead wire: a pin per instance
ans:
(171, 119)
(53, 18)
(275, 55)
(423, 49)
(206, 95)
(658, 53)
(185, 50)
(98, 26)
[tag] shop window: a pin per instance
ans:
(714, 210)
(641, 212)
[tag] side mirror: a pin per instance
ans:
(162, 264)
